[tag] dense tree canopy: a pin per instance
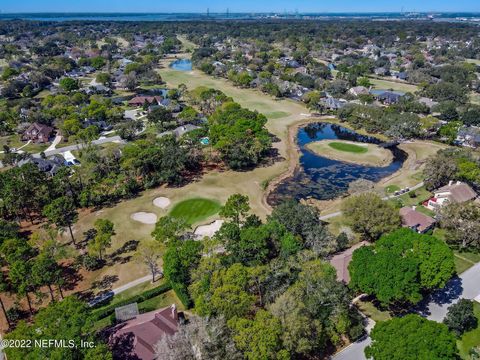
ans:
(400, 265)
(411, 338)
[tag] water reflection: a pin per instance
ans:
(322, 178)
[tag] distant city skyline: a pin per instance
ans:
(219, 6)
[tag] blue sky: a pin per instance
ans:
(235, 6)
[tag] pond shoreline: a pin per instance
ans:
(320, 177)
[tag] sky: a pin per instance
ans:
(195, 6)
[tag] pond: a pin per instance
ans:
(181, 65)
(324, 179)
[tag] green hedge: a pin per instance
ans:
(182, 294)
(148, 294)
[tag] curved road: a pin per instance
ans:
(465, 286)
(338, 213)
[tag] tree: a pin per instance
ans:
(314, 311)
(3, 289)
(236, 208)
(411, 338)
(231, 301)
(68, 320)
(45, 272)
(62, 213)
(178, 260)
(259, 338)
(148, 253)
(369, 215)
(439, 170)
(103, 237)
(104, 78)
(461, 317)
(363, 81)
(168, 229)
(400, 265)
(69, 84)
(304, 221)
(206, 338)
(462, 224)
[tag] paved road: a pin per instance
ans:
(338, 213)
(465, 286)
(100, 141)
(132, 284)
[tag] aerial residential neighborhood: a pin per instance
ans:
(251, 183)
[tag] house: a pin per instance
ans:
(457, 192)
(389, 97)
(428, 102)
(415, 220)
(136, 338)
(402, 75)
(49, 166)
(468, 136)
(141, 100)
(381, 71)
(180, 131)
(358, 90)
(38, 133)
(333, 104)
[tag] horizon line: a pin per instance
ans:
(243, 12)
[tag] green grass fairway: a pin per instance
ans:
(195, 210)
(348, 147)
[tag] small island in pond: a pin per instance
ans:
(352, 152)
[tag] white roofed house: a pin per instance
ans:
(456, 192)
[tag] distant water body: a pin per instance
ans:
(223, 16)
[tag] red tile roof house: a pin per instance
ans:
(415, 220)
(141, 100)
(458, 192)
(38, 133)
(136, 338)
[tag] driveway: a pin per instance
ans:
(465, 286)
(115, 139)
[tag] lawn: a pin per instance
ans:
(390, 189)
(371, 311)
(392, 85)
(464, 260)
(348, 147)
(195, 210)
(421, 195)
(472, 338)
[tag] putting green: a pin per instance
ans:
(341, 146)
(195, 210)
(348, 151)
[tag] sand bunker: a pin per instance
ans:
(161, 202)
(144, 217)
(208, 230)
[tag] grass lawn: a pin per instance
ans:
(464, 260)
(348, 147)
(195, 210)
(473, 61)
(421, 195)
(472, 338)
(390, 189)
(370, 310)
(14, 141)
(393, 85)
